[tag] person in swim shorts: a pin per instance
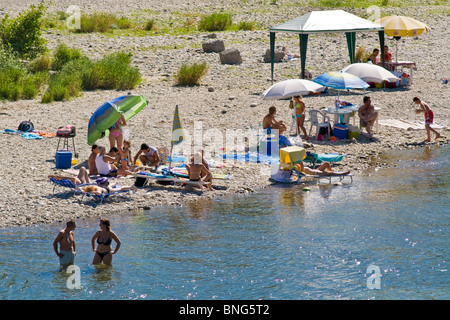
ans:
(66, 241)
(429, 118)
(300, 108)
(198, 172)
(270, 123)
(104, 238)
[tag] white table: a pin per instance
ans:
(348, 112)
(403, 64)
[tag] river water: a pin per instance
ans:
(384, 236)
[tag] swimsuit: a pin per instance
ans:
(67, 259)
(116, 134)
(298, 115)
(429, 116)
(106, 243)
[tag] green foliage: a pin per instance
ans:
(150, 25)
(22, 35)
(15, 80)
(102, 22)
(41, 63)
(112, 72)
(215, 22)
(191, 74)
(63, 54)
(246, 26)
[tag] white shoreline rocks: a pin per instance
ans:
(228, 98)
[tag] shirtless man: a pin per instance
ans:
(429, 117)
(91, 160)
(367, 115)
(66, 242)
(270, 123)
(323, 170)
(198, 172)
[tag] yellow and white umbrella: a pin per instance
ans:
(401, 26)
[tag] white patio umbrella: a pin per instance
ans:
(370, 72)
(290, 88)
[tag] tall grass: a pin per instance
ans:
(112, 72)
(190, 74)
(215, 22)
(63, 54)
(102, 22)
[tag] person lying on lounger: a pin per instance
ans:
(198, 172)
(323, 170)
(97, 190)
(81, 178)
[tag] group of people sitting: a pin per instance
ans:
(366, 113)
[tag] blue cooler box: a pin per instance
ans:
(63, 159)
(340, 131)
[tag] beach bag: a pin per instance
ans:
(26, 126)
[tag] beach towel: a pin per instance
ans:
(31, 136)
(407, 125)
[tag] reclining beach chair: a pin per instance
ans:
(102, 197)
(65, 183)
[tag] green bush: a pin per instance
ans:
(246, 26)
(15, 80)
(102, 22)
(41, 63)
(191, 74)
(150, 25)
(22, 34)
(215, 22)
(63, 54)
(112, 72)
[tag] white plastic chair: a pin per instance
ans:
(323, 122)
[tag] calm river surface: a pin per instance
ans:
(278, 243)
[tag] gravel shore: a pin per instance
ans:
(227, 99)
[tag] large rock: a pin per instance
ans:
(215, 45)
(279, 55)
(230, 56)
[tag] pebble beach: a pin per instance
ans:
(228, 98)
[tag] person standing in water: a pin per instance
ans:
(66, 241)
(104, 237)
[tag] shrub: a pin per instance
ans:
(63, 54)
(150, 25)
(246, 26)
(102, 22)
(41, 63)
(190, 74)
(113, 72)
(15, 80)
(23, 34)
(215, 22)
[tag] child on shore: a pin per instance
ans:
(429, 116)
(125, 157)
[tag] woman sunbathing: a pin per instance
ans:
(97, 190)
(323, 170)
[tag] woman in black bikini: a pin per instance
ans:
(104, 237)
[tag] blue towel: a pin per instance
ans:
(31, 136)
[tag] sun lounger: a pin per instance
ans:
(66, 183)
(302, 176)
(102, 197)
